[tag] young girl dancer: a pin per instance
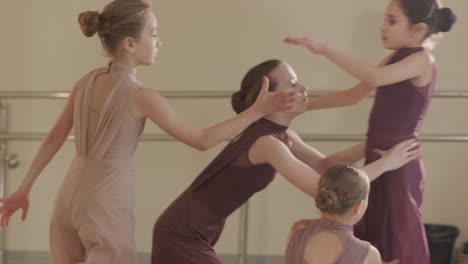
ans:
(342, 198)
(405, 81)
(93, 217)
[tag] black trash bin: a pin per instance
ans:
(441, 239)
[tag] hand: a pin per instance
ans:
(395, 261)
(400, 154)
(270, 102)
(10, 204)
(311, 45)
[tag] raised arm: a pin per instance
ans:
(410, 67)
(345, 97)
(150, 104)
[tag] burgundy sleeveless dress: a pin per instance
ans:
(355, 250)
(393, 219)
(189, 228)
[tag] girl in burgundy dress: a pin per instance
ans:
(189, 228)
(405, 81)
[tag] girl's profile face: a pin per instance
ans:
(286, 80)
(396, 30)
(148, 44)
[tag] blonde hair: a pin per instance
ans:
(340, 188)
(119, 19)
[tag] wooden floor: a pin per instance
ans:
(42, 258)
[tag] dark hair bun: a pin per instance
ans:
(445, 19)
(238, 102)
(89, 23)
(327, 201)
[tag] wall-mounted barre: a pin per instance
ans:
(186, 94)
(14, 136)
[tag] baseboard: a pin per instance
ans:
(22, 257)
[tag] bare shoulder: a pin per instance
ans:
(145, 101)
(424, 57)
(292, 134)
(267, 139)
(266, 149)
(146, 96)
(430, 56)
(373, 256)
(85, 78)
(425, 60)
(83, 81)
(294, 138)
(144, 92)
(268, 143)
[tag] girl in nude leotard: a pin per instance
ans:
(93, 218)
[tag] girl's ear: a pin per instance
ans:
(129, 44)
(419, 30)
(359, 208)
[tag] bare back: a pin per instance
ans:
(104, 123)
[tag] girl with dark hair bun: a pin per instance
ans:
(404, 82)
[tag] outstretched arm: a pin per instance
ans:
(268, 149)
(391, 159)
(150, 104)
(345, 97)
(320, 162)
(410, 67)
(341, 98)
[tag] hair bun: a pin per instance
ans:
(327, 200)
(89, 23)
(238, 102)
(445, 19)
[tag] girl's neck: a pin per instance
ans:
(344, 219)
(281, 118)
(125, 60)
(412, 46)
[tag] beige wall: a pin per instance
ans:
(208, 45)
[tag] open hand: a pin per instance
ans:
(311, 45)
(400, 154)
(10, 204)
(270, 102)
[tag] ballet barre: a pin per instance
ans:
(189, 94)
(8, 160)
(20, 136)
